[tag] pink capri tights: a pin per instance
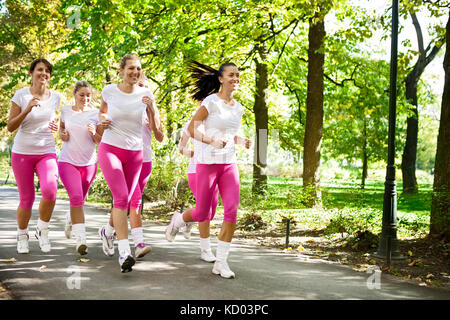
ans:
(121, 169)
(136, 198)
(192, 181)
(77, 181)
(209, 177)
(24, 165)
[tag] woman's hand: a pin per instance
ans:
(92, 129)
(64, 134)
(219, 144)
(149, 103)
(53, 126)
(33, 103)
(105, 122)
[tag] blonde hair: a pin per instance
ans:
(81, 84)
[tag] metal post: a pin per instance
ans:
(389, 229)
(288, 226)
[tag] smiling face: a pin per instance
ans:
(83, 97)
(132, 71)
(41, 74)
(230, 78)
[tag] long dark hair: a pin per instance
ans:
(206, 79)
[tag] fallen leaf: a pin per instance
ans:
(12, 260)
(355, 246)
(372, 261)
(408, 276)
(83, 260)
(410, 253)
(344, 244)
(418, 279)
(422, 284)
(428, 282)
(429, 276)
(43, 267)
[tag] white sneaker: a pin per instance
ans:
(107, 241)
(22, 243)
(141, 250)
(208, 256)
(222, 268)
(171, 230)
(126, 262)
(44, 242)
(68, 228)
(81, 246)
(186, 229)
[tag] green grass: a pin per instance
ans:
(343, 201)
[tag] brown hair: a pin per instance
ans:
(127, 57)
(81, 84)
(44, 61)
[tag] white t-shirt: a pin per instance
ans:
(146, 140)
(126, 111)
(223, 122)
(79, 150)
(34, 136)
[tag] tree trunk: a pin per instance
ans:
(314, 113)
(365, 156)
(412, 79)
(440, 205)
(261, 124)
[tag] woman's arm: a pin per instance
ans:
(182, 146)
(243, 141)
(103, 115)
(16, 115)
(153, 118)
(196, 121)
(63, 134)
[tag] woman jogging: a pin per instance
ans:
(216, 161)
(120, 155)
(206, 253)
(141, 249)
(80, 132)
(33, 112)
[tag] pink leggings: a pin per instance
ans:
(136, 198)
(46, 168)
(209, 177)
(77, 181)
(121, 169)
(192, 181)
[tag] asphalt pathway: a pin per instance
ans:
(174, 271)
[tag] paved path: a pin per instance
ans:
(174, 271)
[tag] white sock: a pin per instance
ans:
(205, 244)
(109, 230)
(79, 230)
(124, 247)
(179, 222)
(42, 225)
(223, 248)
(138, 235)
(21, 232)
(69, 219)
